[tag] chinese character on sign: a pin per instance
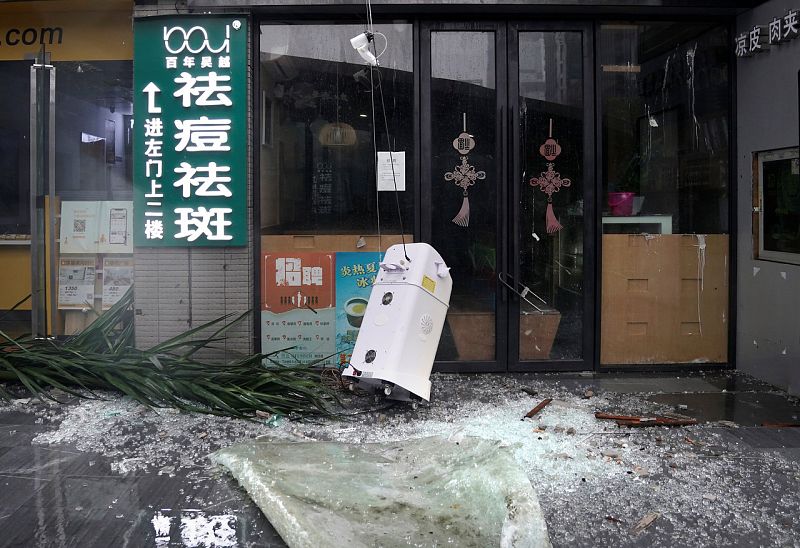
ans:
(211, 184)
(312, 275)
(741, 46)
(757, 44)
(154, 190)
(154, 229)
(207, 89)
(204, 134)
(288, 271)
(790, 25)
(152, 165)
(775, 34)
(194, 223)
(153, 127)
(153, 149)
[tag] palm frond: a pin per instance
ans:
(170, 374)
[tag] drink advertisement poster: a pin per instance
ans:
(355, 274)
(298, 306)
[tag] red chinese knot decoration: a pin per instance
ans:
(550, 181)
(464, 174)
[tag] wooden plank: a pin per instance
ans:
(664, 299)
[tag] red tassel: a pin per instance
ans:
(462, 218)
(553, 225)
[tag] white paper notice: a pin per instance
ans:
(387, 179)
(115, 227)
(79, 230)
(97, 227)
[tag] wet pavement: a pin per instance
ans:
(112, 473)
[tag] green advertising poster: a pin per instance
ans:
(190, 131)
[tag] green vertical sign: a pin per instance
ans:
(190, 131)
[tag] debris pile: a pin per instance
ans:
(598, 483)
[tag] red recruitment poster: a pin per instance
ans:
(298, 306)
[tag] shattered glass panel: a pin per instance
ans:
(425, 492)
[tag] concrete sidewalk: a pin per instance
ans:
(113, 473)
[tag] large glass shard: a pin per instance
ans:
(423, 492)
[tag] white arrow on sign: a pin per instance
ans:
(151, 89)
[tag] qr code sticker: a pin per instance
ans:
(79, 226)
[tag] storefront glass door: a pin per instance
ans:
(506, 149)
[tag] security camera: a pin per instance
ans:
(361, 44)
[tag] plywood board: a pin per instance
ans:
(703, 312)
(329, 242)
(664, 299)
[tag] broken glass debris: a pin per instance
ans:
(425, 492)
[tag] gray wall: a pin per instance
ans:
(177, 289)
(768, 304)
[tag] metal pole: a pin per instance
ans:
(41, 136)
(36, 281)
(52, 290)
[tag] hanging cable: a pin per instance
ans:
(370, 26)
(375, 158)
(370, 37)
(372, 69)
(391, 162)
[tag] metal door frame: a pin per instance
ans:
(42, 184)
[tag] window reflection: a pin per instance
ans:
(317, 172)
(665, 122)
(551, 264)
(463, 101)
(92, 155)
(94, 108)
